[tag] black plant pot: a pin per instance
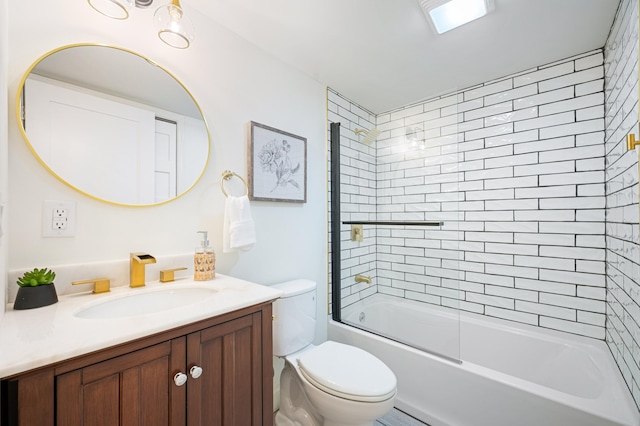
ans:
(35, 297)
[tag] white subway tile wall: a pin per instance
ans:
(522, 171)
(503, 169)
(621, 188)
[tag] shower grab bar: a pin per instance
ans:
(392, 223)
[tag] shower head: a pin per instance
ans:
(369, 135)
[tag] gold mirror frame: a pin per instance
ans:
(19, 114)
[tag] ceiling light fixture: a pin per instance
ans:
(116, 9)
(446, 15)
(173, 27)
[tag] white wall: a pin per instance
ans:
(234, 83)
(3, 151)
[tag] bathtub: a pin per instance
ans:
(511, 374)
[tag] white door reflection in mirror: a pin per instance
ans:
(91, 140)
(165, 164)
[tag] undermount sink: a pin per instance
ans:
(148, 302)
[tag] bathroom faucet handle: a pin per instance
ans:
(167, 275)
(101, 285)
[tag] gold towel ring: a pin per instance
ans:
(228, 174)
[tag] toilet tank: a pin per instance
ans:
(294, 316)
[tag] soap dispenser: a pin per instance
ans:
(204, 260)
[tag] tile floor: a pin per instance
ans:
(396, 417)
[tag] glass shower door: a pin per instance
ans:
(398, 238)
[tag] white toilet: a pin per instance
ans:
(331, 384)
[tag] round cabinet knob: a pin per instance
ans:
(195, 371)
(180, 379)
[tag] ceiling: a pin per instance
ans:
(383, 55)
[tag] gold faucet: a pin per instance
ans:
(136, 268)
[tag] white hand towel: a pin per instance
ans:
(239, 230)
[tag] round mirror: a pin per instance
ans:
(113, 124)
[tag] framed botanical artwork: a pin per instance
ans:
(277, 165)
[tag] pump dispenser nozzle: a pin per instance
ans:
(204, 261)
(205, 241)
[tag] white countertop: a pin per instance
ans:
(37, 337)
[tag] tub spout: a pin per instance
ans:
(362, 279)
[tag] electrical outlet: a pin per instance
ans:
(60, 212)
(59, 224)
(59, 219)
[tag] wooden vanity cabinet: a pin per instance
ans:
(133, 384)
(131, 389)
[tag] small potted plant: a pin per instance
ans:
(36, 289)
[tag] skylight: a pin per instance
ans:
(446, 15)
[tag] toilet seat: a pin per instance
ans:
(347, 372)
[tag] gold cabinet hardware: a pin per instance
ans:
(362, 279)
(167, 275)
(101, 285)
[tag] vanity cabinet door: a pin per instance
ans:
(129, 390)
(229, 391)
